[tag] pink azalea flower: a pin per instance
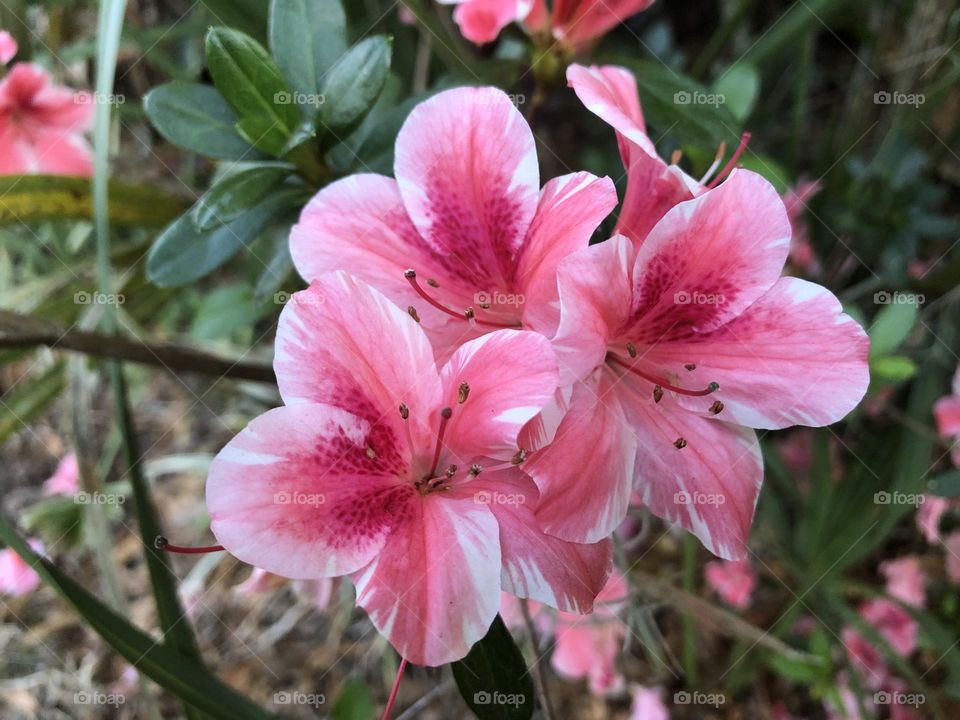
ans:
(65, 479)
(16, 576)
(680, 347)
(588, 646)
(865, 659)
(481, 21)
(894, 624)
(648, 704)
(952, 545)
(905, 580)
(466, 213)
(8, 47)
(42, 125)
(733, 581)
(929, 515)
(946, 411)
(576, 23)
(403, 475)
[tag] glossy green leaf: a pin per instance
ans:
(892, 369)
(891, 325)
(493, 678)
(353, 84)
(196, 117)
(739, 86)
(946, 484)
(181, 675)
(307, 37)
(27, 399)
(251, 82)
(236, 193)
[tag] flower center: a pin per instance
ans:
(468, 314)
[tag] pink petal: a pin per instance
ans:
(791, 358)
(66, 479)
(589, 649)
(648, 704)
(511, 375)
(584, 475)
(563, 575)
(929, 514)
(709, 259)
(610, 93)
(61, 152)
(342, 343)
(579, 21)
(946, 411)
(466, 165)
(481, 21)
(710, 486)
(571, 208)
(16, 576)
(905, 580)
(733, 581)
(952, 545)
(8, 47)
(894, 624)
(435, 588)
(296, 493)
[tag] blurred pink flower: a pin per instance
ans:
(905, 580)
(893, 623)
(796, 450)
(866, 659)
(65, 479)
(952, 544)
(17, 577)
(929, 514)
(481, 21)
(648, 704)
(8, 47)
(42, 125)
(802, 255)
(733, 580)
(946, 411)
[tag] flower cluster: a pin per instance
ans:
(474, 394)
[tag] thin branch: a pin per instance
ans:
(539, 682)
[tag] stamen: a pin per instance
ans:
(432, 283)
(444, 417)
(469, 314)
(475, 470)
(371, 453)
(679, 443)
(675, 157)
(463, 393)
(161, 543)
(716, 408)
(412, 312)
(690, 366)
(396, 688)
(632, 350)
(411, 276)
(404, 411)
(450, 471)
(658, 383)
(732, 163)
(657, 393)
(518, 457)
(721, 151)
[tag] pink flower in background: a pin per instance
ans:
(733, 581)
(866, 659)
(952, 544)
(905, 580)
(481, 21)
(466, 213)
(802, 255)
(65, 479)
(403, 475)
(42, 125)
(894, 624)
(16, 576)
(680, 346)
(946, 411)
(648, 704)
(588, 646)
(316, 592)
(929, 515)
(8, 47)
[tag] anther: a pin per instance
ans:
(451, 471)
(161, 543)
(657, 393)
(632, 350)
(675, 157)
(716, 408)
(691, 366)
(469, 314)
(371, 453)
(404, 411)
(463, 393)
(432, 283)
(518, 457)
(412, 312)
(411, 276)
(679, 443)
(475, 470)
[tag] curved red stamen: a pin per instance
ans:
(711, 388)
(744, 139)
(444, 417)
(396, 688)
(411, 276)
(161, 543)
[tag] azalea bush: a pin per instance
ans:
(480, 358)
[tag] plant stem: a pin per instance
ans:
(690, 546)
(538, 680)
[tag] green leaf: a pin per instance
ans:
(27, 400)
(236, 193)
(183, 254)
(29, 198)
(57, 519)
(307, 37)
(493, 678)
(196, 117)
(250, 16)
(277, 270)
(946, 484)
(181, 675)
(353, 702)
(251, 82)
(892, 369)
(223, 311)
(739, 86)
(352, 86)
(891, 326)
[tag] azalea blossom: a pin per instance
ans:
(929, 514)
(8, 47)
(952, 545)
(481, 21)
(318, 593)
(464, 235)
(16, 576)
(65, 479)
(733, 581)
(648, 704)
(802, 254)
(905, 580)
(400, 474)
(946, 411)
(42, 125)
